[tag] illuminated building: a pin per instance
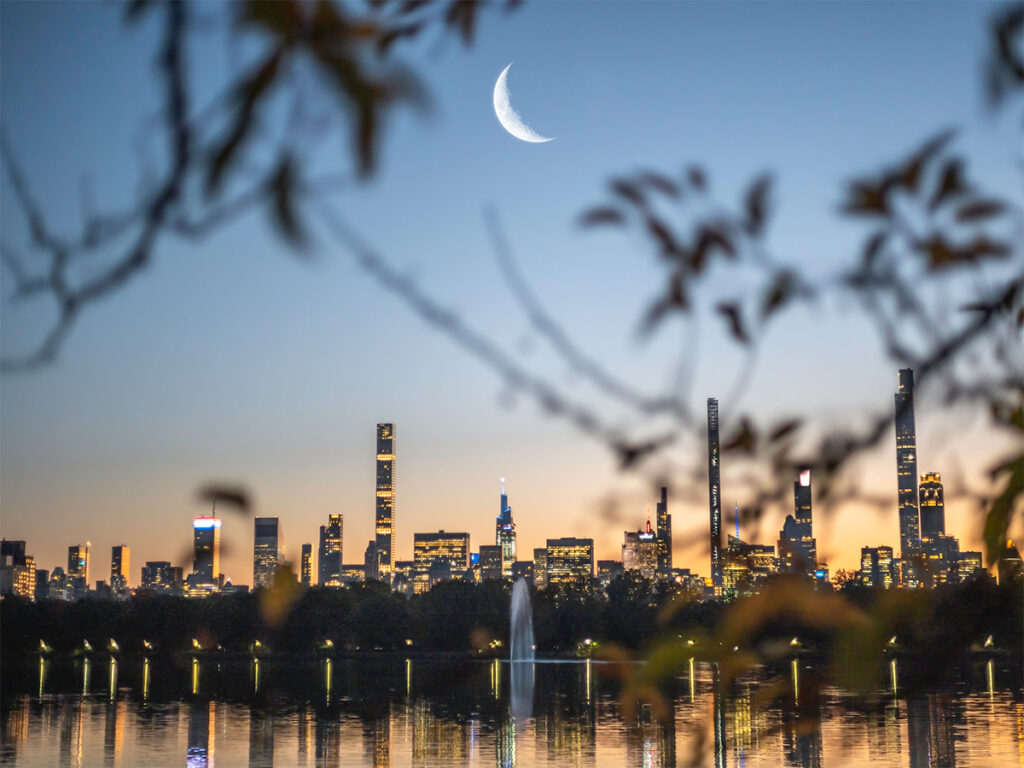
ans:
(161, 577)
(404, 576)
(540, 567)
(267, 550)
(715, 493)
(306, 574)
(1010, 565)
(17, 570)
(747, 566)
(933, 511)
(570, 560)
(330, 554)
(490, 562)
(438, 556)
(386, 483)
(608, 571)
(968, 566)
(939, 551)
(877, 568)
(352, 573)
(59, 587)
(505, 533)
(452, 548)
(798, 550)
(205, 576)
(78, 570)
(120, 563)
(640, 551)
(664, 521)
(906, 477)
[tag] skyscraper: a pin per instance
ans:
(330, 554)
(570, 560)
(714, 494)
(876, 567)
(306, 574)
(505, 533)
(120, 562)
(664, 522)
(206, 547)
(386, 480)
(933, 511)
(78, 569)
(640, 551)
(798, 549)
(267, 550)
(906, 475)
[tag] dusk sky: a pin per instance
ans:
(233, 360)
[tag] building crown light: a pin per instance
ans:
(201, 523)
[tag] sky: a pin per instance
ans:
(231, 360)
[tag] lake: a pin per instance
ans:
(383, 711)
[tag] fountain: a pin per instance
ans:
(521, 623)
(521, 653)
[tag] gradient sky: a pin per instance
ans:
(232, 360)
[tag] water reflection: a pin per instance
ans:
(432, 713)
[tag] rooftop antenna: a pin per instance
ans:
(503, 486)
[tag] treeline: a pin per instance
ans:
(474, 618)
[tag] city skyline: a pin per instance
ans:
(920, 517)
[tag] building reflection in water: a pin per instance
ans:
(931, 723)
(377, 742)
(328, 741)
(113, 733)
(70, 753)
(201, 734)
(305, 731)
(261, 740)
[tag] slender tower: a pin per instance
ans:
(505, 534)
(906, 472)
(385, 501)
(714, 494)
(664, 521)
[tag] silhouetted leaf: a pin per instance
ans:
(393, 35)
(977, 210)
(941, 254)
(756, 204)
(867, 199)
(628, 191)
(461, 15)
(630, 454)
(784, 429)
(676, 299)
(873, 247)
(282, 18)
(696, 177)
(602, 215)
(951, 183)
(743, 438)
(662, 235)
(784, 287)
(734, 317)
(234, 497)
(282, 196)
(135, 9)
(711, 236)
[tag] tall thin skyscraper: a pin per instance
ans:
(386, 481)
(933, 509)
(267, 550)
(306, 574)
(664, 521)
(330, 554)
(206, 545)
(120, 563)
(714, 494)
(505, 533)
(906, 473)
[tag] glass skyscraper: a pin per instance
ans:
(330, 553)
(664, 522)
(798, 549)
(906, 476)
(206, 546)
(385, 522)
(120, 564)
(78, 569)
(306, 574)
(715, 494)
(505, 533)
(267, 550)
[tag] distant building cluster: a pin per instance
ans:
(928, 557)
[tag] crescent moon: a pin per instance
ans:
(510, 119)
